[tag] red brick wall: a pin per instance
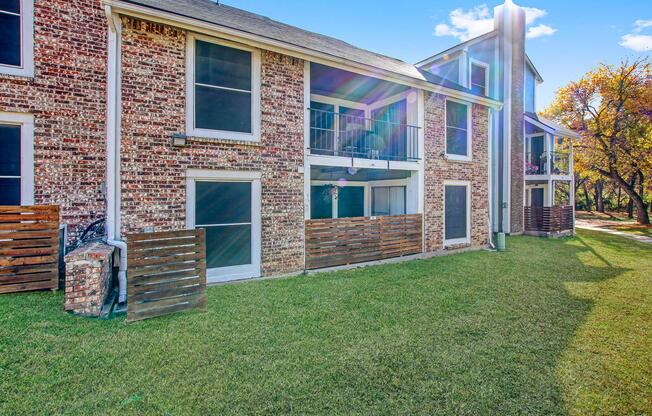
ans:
(67, 97)
(439, 169)
(153, 172)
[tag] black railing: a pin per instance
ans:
(336, 134)
(537, 163)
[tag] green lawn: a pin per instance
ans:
(549, 327)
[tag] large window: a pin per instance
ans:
(16, 159)
(457, 220)
(224, 91)
(458, 130)
(479, 79)
(16, 37)
(388, 200)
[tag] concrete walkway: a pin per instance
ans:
(588, 226)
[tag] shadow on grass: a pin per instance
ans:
(476, 333)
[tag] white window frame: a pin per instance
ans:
(486, 67)
(26, 68)
(467, 239)
(230, 273)
(191, 130)
(26, 123)
(469, 132)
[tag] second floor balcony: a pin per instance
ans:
(547, 163)
(353, 135)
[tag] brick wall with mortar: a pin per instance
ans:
(153, 171)
(88, 278)
(67, 97)
(439, 169)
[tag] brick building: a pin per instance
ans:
(170, 114)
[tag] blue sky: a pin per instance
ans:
(586, 32)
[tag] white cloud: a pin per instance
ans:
(639, 25)
(532, 14)
(468, 24)
(638, 43)
(539, 31)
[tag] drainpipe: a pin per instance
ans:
(490, 184)
(113, 150)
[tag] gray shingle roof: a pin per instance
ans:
(241, 20)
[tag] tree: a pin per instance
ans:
(611, 108)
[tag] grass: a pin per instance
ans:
(549, 327)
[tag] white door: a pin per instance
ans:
(229, 211)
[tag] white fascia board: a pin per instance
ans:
(457, 48)
(212, 29)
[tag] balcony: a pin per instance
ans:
(538, 163)
(346, 135)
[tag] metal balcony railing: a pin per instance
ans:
(537, 163)
(336, 134)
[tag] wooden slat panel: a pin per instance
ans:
(341, 241)
(548, 219)
(29, 248)
(167, 273)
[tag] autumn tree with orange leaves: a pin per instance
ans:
(611, 108)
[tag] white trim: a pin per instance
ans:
(467, 239)
(469, 134)
(191, 130)
(285, 48)
(26, 123)
(487, 69)
(456, 48)
(248, 271)
(26, 68)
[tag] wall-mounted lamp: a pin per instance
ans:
(179, 140)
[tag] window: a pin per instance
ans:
(479, 78)
(223, 96)
(458, 132)
(388, 200)
(17, 37)
(350, 202)
(16, 159)
(227, 206)
(457, 212)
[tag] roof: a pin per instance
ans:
(550, 126)
(243, 21)
(529, 62)
(457, 47)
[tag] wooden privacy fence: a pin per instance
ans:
(341, 241)
(167, 273)
(29, 248)
(549, 219)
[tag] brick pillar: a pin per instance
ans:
(88, 278)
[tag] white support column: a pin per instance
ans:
(571, 170)
(549, 141)
(550, 200)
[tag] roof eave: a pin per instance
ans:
(552, 129)
(273, 45)
(457, 48)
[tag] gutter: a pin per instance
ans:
(113, 149)
(213, 29)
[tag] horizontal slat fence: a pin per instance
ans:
(167, 273)
(549, 219)
(342, 241)
(29, 248)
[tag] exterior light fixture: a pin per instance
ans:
(352, 171)
(179, 140)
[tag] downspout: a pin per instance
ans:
(113, 150)
(490, 139)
